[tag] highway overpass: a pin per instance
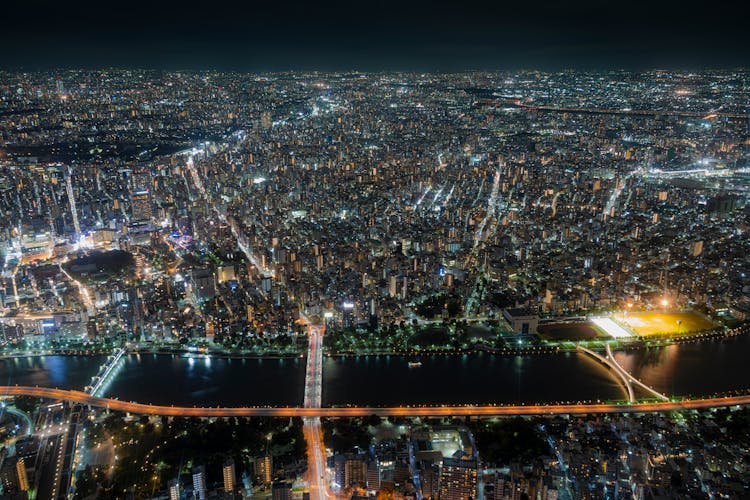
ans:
(406, 411)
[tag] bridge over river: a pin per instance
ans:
(358, 411)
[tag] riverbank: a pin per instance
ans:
(213, 353)
(53, 352)
(498, 351)
(546, 347)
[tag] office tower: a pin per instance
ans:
(199, 482)
(263, 467)
(458, 479)
(228, 474)
(174, 489)
(140, 206)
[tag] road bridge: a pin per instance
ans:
(614, 368)
(361, 411)
(313, 397)
(97, 382)
(625, 374)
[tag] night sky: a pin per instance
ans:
(374, 35)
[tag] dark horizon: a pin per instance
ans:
(380, 36)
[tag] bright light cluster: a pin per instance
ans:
(611, 328)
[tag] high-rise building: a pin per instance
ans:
(23, 480)
(228, 474)
(225, 273)
(458, 479)
(696, 248)
(13, 475)
(202, 283)
(355, 471)
(140, 206)
(281, 490)
(263, 468)
(265, 120)
(174, 489)
(392, 286)
(430, 480)
(373, 476)
(199, 482)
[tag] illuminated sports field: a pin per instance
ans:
(657, 323)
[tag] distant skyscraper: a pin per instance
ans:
(458, 479)
(199, 482)
(140, 206)
(228, 475)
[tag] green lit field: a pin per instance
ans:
(656, 323)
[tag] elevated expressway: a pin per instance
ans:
(414, 411)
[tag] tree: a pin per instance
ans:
(26, 404)
(506, 440)
(372, 420)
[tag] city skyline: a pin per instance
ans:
(388, 250)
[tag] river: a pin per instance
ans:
(694, 368)
(465, 379)
(58, 371)
(479, 378)
(186, 381)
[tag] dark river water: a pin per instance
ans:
(696, 369)
(62, 372)
(685, 369)
(173, 379)
(465, 379)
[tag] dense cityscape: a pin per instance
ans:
(493, 285)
